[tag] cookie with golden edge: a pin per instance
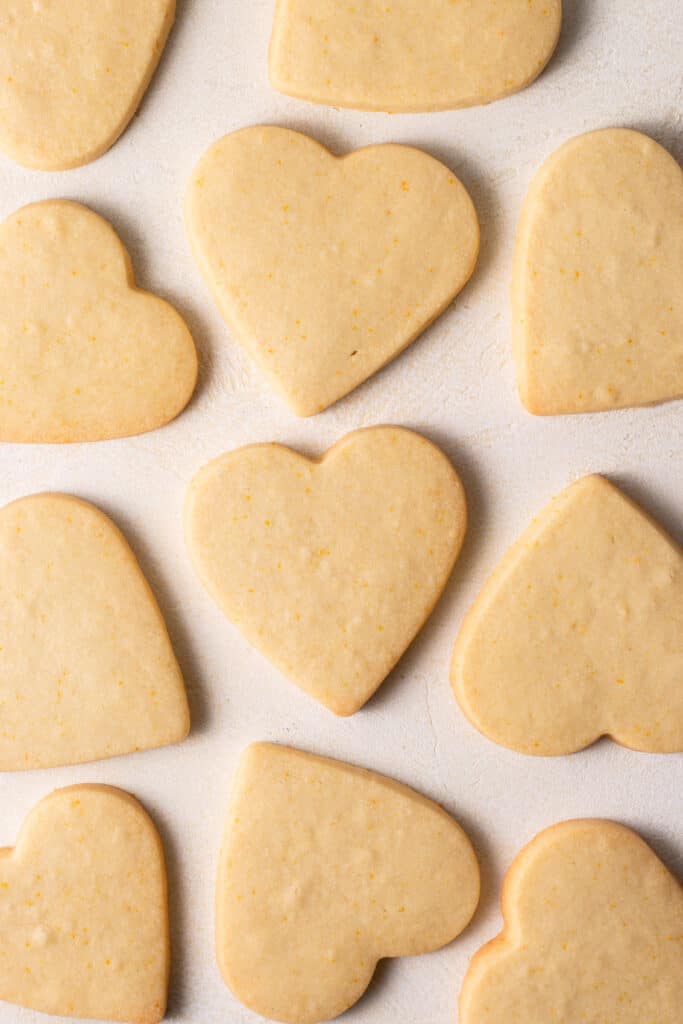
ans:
(83, 909)
(411, 56)
(73, 73)
(84, 354)
(325, 869)
(593, 932)
(86, 666)
(597, 306)
(325, 267)
(329, 566)
(579, 631)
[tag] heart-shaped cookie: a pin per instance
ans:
(579, 632)
(329, 567)
(86, 665)
(73, 75)
(426, 55)
(325, 869)
(596, 298)
(325, 267)
(84, 354)
(83, 909)
(593, 928)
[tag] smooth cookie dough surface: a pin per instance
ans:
(72, 74)
(326, 268)
(84, 354)
(579, 631)
(593, 928)
(330, 567)
(86, 665)
(326, 868)
(83, 909)
(413, 55)
(597, 301)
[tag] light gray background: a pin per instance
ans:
(618, 63)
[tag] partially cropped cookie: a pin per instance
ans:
(330, 567)
(325, 869)
(593, 927)
(86, 665)
(410, 56)
(579, 631)
(596, 298)
(72, 74)
(84, 354)
(83, 910)
(325, 267)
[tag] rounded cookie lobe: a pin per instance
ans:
(327, 267)
(578, 632)
(84, 354)
(74, 73)
(597, 309)
(431, 55)
(326, 868)
(593, 921)
(84, 911)
(330, 567)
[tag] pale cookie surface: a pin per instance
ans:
(84, 354)
(325, 869)
(414, 55)
(329, 567)
(83, 909)
(579, 631)
(596, 298)
(86, 665)
(73, 73)
(327, 267)
(593, 932)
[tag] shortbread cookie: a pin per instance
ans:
(83, 909)
(72, 74)
(593, 930)
(326, 267)
(330, 567)
(414, 55)
(579, 632)
(597, 299)
(86, 665)
(325, 869)
(84, 354)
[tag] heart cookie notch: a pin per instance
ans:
(324, 267)
(593, 924)
(329, 567)
(83, 909)
(84, 354)
(597, 306)
(74, 73)
(86, 665)
(579, 632)
(431, 55)
(325, 869)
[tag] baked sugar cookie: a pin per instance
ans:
(86, 665)
(324, 267)
(84, 354)
(330, 567)
(593, 927)
(83, 909)
(579, 632)
(72, 74)
(596, 298)
(325, 869)
(426, 55)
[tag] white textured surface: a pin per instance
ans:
(618, 63)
